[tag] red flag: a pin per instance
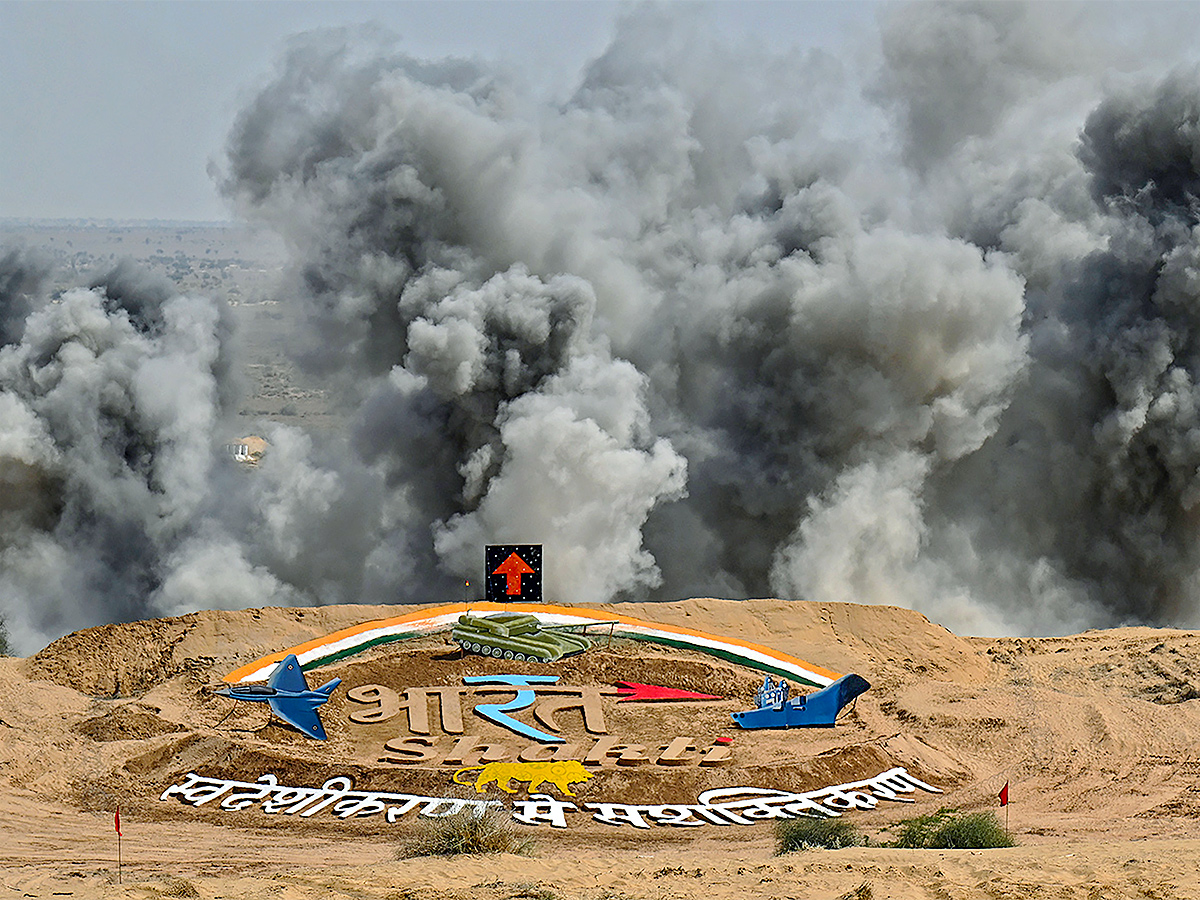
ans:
(1004, 795)
(117, 821)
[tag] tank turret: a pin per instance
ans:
(516, 636)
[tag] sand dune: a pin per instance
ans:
(1096, 734)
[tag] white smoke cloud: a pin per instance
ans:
(213, 573)
(108, 418)
(573, 476)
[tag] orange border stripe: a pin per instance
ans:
(426, 613)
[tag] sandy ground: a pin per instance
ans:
(64, 854)
(1096, 733)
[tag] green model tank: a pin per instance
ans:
(516, 636)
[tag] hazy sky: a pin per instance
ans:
(114, 110)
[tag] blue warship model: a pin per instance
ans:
(818, 709)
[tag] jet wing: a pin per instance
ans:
(300, 714)
(288, 676)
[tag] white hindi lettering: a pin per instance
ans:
(197, 790)
(542, 809)
(234, 802)
(619, 814)
(720, 806)
(893, 782)
(291, 800)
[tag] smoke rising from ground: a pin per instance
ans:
(716, 322)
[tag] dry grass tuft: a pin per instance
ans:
(468, 832)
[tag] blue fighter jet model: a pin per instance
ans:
(289, 696)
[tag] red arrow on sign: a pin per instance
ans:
(632, 690)
(512, 569)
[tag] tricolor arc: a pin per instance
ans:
(356, 639)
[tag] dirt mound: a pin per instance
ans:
(1095, 733)
(131, 722)
(128, 659)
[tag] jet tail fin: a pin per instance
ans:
(288, 676)
(327, 687)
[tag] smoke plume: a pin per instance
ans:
(716, 321)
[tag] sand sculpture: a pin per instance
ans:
(531, 705)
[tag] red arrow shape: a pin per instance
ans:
(512, 569)
(649, 693)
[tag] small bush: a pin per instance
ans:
(534, 891)
(948, 829)
(179, 887)
(467, 832)
(815, 834)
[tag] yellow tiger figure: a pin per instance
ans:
(562, 774)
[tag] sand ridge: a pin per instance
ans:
(1096, 734)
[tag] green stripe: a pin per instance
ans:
(727, 655)
(359, 648)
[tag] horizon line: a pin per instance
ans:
(117, 222)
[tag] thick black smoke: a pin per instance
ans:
(714, 322)
(108, 404)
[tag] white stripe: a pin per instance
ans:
(436, 623)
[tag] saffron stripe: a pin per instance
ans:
(358, 638)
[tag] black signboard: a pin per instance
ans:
(514, 572)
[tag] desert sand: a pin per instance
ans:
(1095, 733)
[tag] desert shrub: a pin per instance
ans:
(4, 648)
(813, 834)
(534, 891)
(467, 832)
(949, 829)
(178, 887)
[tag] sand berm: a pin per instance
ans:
(1098, 735)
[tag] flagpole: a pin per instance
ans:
(1004, 803)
